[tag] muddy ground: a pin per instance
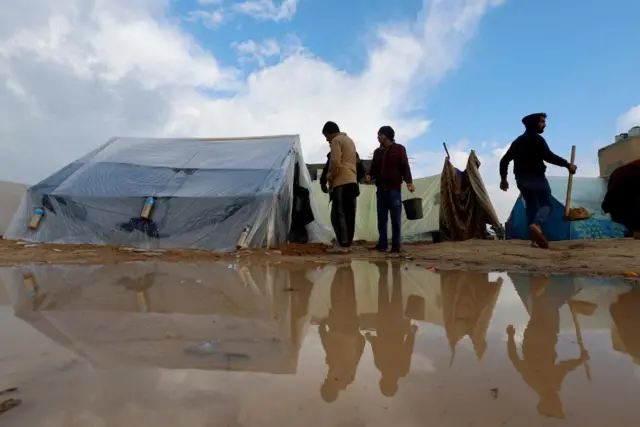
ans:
(613, 258)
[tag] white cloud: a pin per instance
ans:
(210, 19)
(260, 52)
(628, 120)
(76, 73)
(268, 10)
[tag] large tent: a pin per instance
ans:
(463, 199)
(587, 193)
(205, 193)
(428, 189)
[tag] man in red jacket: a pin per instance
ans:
(389, 169)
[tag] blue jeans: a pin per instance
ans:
(536, 194)
(389, 202)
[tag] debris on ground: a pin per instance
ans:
(9, 404)
(303, 249)
(9, 390)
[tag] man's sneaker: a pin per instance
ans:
(378, 248)
(396, 250)
(337, 249)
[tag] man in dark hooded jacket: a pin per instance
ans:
(529, 152)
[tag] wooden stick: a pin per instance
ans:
(567, 205)
(444, 144)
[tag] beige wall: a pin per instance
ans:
(618, 154)
(10, 196)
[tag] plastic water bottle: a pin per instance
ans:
(146, 209)
(38, 213)
(242, 240)
(29, 283)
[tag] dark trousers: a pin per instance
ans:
(536, 194)
(343, 213)
(389, 202)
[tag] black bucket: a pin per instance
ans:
(415, 307)
(413, 208)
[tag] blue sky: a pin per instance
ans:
(462, 71)
(573, 60)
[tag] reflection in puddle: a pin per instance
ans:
(402, 341)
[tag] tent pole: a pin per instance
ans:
(567, 205)
(444, 144)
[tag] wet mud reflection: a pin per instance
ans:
(338, 334)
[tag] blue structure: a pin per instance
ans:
(587, 193)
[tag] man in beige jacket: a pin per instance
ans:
(343, 184)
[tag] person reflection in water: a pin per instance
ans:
(395, 336)
(538, 364)
(340, 334)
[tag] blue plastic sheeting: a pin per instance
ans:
(587, 193)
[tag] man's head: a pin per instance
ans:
(535, 122)
(328, 391)
(388, 386)
(330, 130)
(386, 136)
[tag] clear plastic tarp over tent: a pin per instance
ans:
(206, 192)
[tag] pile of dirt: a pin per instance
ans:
(302, 249)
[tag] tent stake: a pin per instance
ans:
(567, 205)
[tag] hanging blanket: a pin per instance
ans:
(465, 207)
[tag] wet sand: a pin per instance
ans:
(351, 344)
(614, 258)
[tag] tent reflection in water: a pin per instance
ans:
(202, 194)
(176, 316)
(625, 313)
(468, 301)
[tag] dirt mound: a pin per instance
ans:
(302, 249)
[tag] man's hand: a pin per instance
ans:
(511, 331)
(324, 188)
(410, 187)
(584, 356)
(367, 179)
(504, 185)
(572, 169)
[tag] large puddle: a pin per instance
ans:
(358, 344)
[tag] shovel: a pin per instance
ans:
(577, 306)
